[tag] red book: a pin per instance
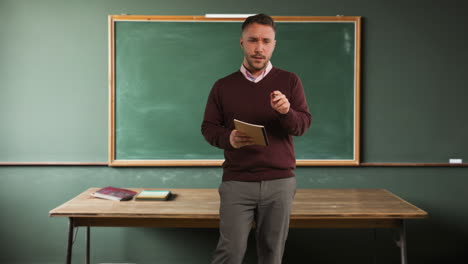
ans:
(113, 193)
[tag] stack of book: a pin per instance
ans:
(115, 194)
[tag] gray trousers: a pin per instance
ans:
(266, 202)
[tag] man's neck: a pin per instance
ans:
(255, 73)
(259, 74)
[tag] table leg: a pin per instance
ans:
(402, 242)
(70, 240)
(88, 238)
(375, 245)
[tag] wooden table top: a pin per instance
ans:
(204, 204)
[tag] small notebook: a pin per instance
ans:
(256, 132)
(153, 195)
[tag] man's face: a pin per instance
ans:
(258, 43)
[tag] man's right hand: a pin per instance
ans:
(239, 139)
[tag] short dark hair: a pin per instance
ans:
(259, 19)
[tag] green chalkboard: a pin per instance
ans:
(162, 70)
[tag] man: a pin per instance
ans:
(258, 182)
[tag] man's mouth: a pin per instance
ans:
(258, 57)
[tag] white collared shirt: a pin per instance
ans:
(251, 78)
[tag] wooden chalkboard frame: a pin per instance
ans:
(162, 162)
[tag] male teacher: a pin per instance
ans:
(258, 182)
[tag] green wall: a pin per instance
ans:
(53, 77)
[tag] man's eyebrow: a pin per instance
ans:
(257, 38)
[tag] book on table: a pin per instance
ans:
(114, 193)
(153, 195)
(256, 132)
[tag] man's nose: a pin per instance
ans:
(259, 47)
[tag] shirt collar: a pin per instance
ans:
(251, 78)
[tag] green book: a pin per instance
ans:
(153, 195)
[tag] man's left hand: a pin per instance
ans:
(279, 102)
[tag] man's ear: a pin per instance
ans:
(241, 43)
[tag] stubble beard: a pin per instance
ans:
(253, 66)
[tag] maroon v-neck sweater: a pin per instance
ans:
(234, 97)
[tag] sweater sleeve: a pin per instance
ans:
(213, 127)
(298, 119)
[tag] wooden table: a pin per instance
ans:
(199, 208)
